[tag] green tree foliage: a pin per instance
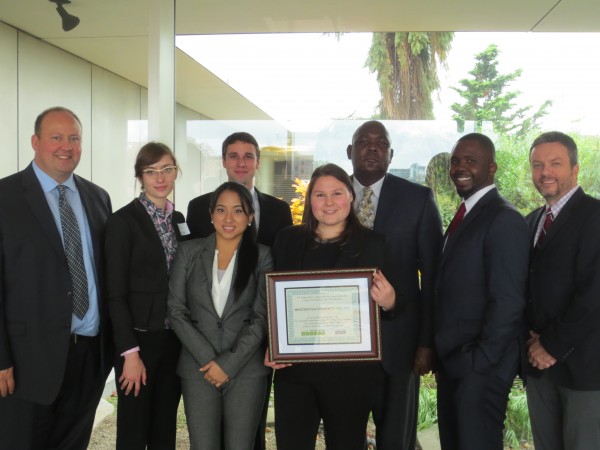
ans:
(589, 164)
(438, 179)
(486, 98)
(406, 65)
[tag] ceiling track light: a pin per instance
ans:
(68, 21)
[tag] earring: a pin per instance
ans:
(250, 224)
(212, 222)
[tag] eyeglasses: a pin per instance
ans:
(165, 171)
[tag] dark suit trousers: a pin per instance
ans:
(471, 411)
(151, 417)
(395, 411)
(562, 418)
(67, 423)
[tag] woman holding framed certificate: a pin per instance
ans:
(339, 393)
(217, 308)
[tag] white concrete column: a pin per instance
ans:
(161, 71)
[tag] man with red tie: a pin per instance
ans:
(563, 308)
(479, 303)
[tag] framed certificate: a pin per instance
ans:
(322, 316)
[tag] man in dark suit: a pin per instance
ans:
(52, 318)
(406, 214)
(563, 308)
(479, 303)
(241, 159)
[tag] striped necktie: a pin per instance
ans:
(547, 224)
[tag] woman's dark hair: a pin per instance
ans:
(247, 254)
(310, 222)
(150, 154)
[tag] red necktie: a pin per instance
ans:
(545, 227)
(458, 217)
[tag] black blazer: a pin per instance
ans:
(480, 291)
(275, 214)
(35, 285)
(408, 217)
(564, 292)
(136, 272)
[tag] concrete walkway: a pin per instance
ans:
(429, 438)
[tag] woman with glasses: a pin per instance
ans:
(217, 308)
(141, 241)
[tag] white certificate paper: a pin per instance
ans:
(323, 318)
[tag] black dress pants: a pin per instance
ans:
(150, 419)
(65, 424)
(340, 394)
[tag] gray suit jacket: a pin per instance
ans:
(235, 341)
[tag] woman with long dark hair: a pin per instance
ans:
(141, 240)
(341, 394)
(217, 308)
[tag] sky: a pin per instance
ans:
(306, 80)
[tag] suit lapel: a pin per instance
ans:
(566, 213)
(262, 229)
(469, 218)
(208, 257)
(36, 200)
(385, 205)
(93, 210)
(145, 222)
(230, 297)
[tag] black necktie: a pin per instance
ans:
(74, 252)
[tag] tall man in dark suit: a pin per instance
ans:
(241, 159)
(479, 303)
(563, 308)
(52, 318)
(406, 214)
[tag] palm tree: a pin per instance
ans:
(406, 64)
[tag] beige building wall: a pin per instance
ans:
(113, 111)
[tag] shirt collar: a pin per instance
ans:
(473, 199)
(375, 187)
(556, 208)
(48, 183)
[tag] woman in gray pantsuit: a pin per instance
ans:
(217, 308)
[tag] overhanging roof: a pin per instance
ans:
(113, 33)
